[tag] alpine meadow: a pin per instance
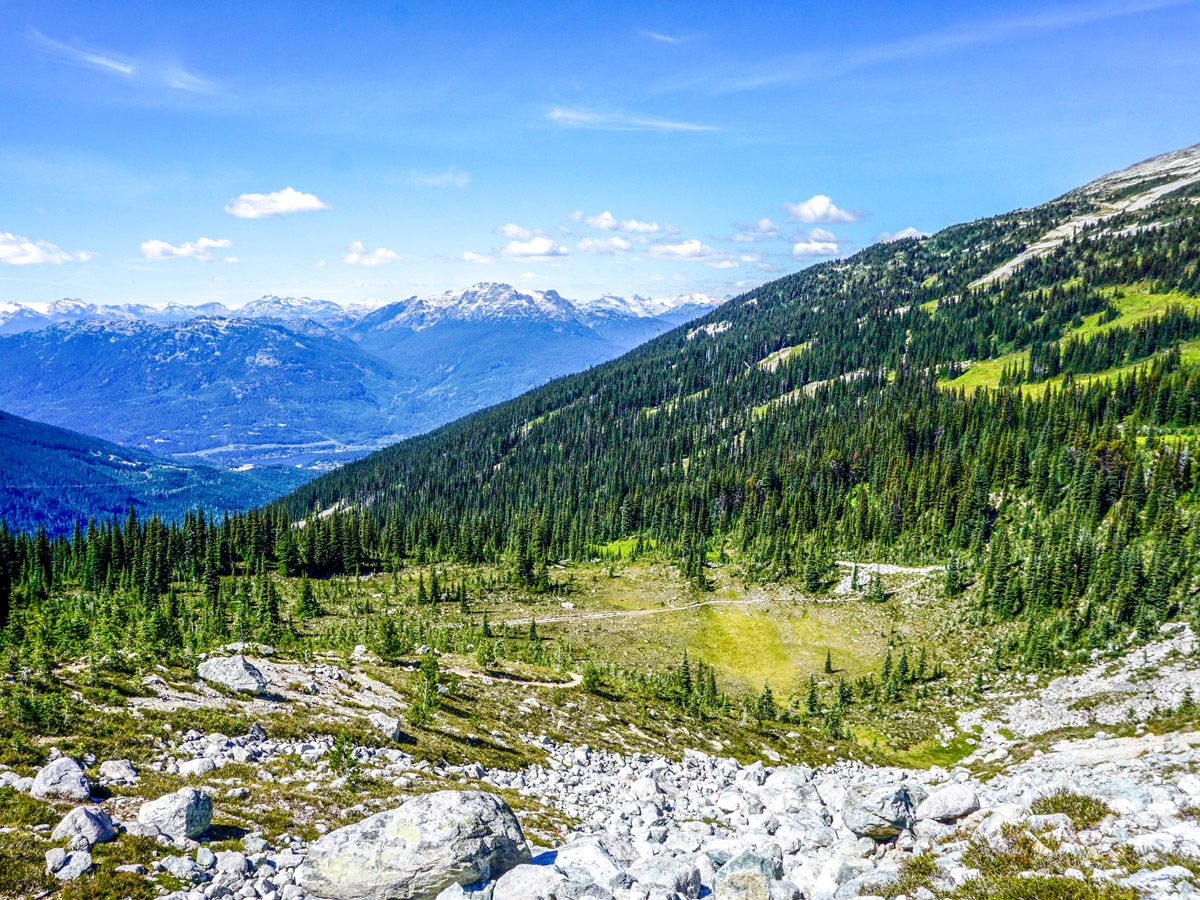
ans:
(878, 577)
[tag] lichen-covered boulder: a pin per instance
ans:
(93, 825)
(185, 813)
(882, 811)
(416, 850)
(234, 673)
(949, 803)
(61, 779)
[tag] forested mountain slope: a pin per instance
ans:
(57, 479)
(815, 417)
(818, 413)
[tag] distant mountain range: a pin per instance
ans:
(55, 478)
(298, 381)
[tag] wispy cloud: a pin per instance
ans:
(604, 245)
(479, 258)
(18, 250)
(698, 251)
(146, 71)
(200, 249)
(663, 38)
(596, 120)
(451, 178)
(820, 65)
(276, 203)
(763, 230)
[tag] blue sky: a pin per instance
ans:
(155, 152)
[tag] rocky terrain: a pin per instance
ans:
(1034, 811)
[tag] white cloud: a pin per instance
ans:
(472, 257)
(819, 208)
(18, 250)
(818, 243)
(451, 178)
(902, 234)
(537, 247)
(320, 264)
(514, 231)
(199, 249)
(614, 244)
(358, 255)
(762, 230)
(231, 260)
(686, 249)
(692, 249)
(568, 117)
(276, 203)
(606, 221)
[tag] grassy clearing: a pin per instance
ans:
(1135, 304)
(773, 361)
(935, 752)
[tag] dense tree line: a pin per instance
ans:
(710, 443)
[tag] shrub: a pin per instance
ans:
(1082, 810)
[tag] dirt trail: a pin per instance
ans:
(622, 613)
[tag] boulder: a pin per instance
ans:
(194, 768)
(118, 770)
(233, 673)
(748, 876)
(233, 862)
(185, 813)
(671, 875)
(61, 779)
(416, 850)
(388, 726)
(949, 803)
(93, 825)
(67, 866)
(881, 812)
(529, 882)
(588, 859)
(182, 868)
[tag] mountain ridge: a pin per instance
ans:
(477, 301)
(237, 389)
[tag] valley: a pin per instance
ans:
(876, 580)
(232, 387)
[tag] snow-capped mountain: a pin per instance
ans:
(629, 321)
(288, 309)
(487, 301)
(303, 381)
(647, 307)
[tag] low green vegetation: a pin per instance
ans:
(1082, 810)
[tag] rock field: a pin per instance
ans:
(648, 826)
